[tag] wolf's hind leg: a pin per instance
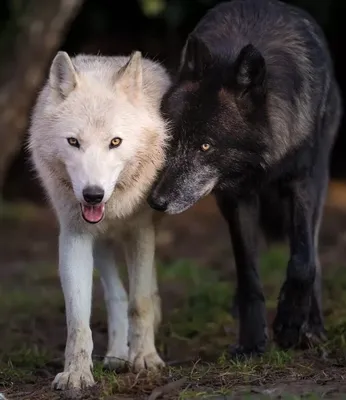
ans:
(117, 306)
(144, 304)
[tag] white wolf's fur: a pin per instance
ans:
(95, 99)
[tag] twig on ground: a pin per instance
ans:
(166, 389)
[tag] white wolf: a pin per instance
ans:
(97, 140)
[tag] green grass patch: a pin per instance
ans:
(22, 212)
(206, 302)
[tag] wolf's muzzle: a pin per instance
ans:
(158, 203)
(93, 194)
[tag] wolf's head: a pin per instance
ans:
(217, 114)
(98, 127)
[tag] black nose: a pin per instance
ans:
(93, 194)
(158, 204)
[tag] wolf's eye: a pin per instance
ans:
(115, 142)
(205, 147)
(73, 142)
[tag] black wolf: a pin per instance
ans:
(254, 113)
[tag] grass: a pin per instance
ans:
(221, 378)
(194, 336)
(199, 322)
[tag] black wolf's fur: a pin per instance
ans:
(256, 83)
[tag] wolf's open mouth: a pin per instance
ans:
(93, 214)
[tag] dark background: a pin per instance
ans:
(159, 29)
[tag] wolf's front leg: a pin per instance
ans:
(144, 301)
(242, 218)
(75, 267)
(299, 321)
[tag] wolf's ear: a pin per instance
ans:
(130, 77)
(195, 59)
(250, 71)
(63, 77)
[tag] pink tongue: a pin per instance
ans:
(93, 213)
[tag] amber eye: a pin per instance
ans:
(205, 147)
(73, 142)
(115, 142)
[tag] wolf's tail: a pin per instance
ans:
(273, 216)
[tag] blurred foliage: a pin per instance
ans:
(174, 12)
(153, 8)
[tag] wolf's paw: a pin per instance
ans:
(292, 318)
(298, 336)
(241, 352)
(116, 363)
(73, 380)
(151, 361)
(289, 330)
(313, 336)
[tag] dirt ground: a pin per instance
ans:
(196, 284)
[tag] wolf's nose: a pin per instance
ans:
(93, 194)
(158, 204)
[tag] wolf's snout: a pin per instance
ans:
(93, 194)
(158, 203)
